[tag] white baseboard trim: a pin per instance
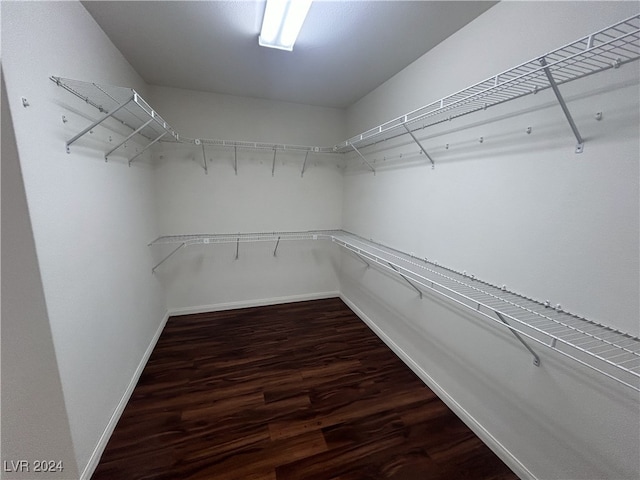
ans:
(216, 307)
(113, 421)
(498, 448)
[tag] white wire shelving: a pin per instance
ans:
(124, 105)
(608, 48)
(605, 49)
(611, 353)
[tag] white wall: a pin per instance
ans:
(521, 210)
(91, 220)
(188, 201)
(34, 417)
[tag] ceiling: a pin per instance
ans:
(344, 51)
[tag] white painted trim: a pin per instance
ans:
(113, 421)
(498, 448)
(216, 307)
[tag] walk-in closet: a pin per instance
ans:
(405, 246)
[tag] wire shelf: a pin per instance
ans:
(611, 353)
(142, 119)
(608, 48)
(136, 113)
(200, 239)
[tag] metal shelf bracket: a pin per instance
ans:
(153, 270)
(433, 165)
(235, 159)
(406, 279)
(98, 122)
(536, 359)
(106, 155)
(273, 165)
(204, 159)
(237, 248)
(276, 249)
(563, 105)
(304, 164)
(362, 157)
(157, 139)
(359, 257)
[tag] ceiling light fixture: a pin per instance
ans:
(282, 22)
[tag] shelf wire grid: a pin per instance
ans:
(283, 147)
(199, 239)
(107, 98)
(608, 48)
(608, 351)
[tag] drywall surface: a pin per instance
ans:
(521, 210)
(245, 191)
(34, 418)
(91, 220)
(518, 209)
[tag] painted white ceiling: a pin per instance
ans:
(345, 48)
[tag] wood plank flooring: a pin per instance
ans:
(295, 391)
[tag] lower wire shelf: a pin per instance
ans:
(611, 353)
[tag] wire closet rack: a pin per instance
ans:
(611, 353)
(608, 48)
(605, 49)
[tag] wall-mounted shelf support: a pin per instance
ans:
(204, 160)
(362, 157)
(433, 165)
(157, 139)
(276, 249)
(304, 164)
(273, 165)
(136, 131)
(98, 122)
(536, 359)
(235, 159)
(237, 248)
(406, 279)
(563, 105)
(360, 257)
(153, 270)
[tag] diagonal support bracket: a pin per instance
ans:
(106, 155)
(563, 105)
(304, 164)
(406, 279)
(536, 359)
(362, 157)
(204, 160)
(98, 122)
(433, 165)
(276, 249)
(273, 165)
(153, 270)
(157, 139)
(235, 159)
(359, 257)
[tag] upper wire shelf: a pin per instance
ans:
(608, 48)
(124, 105)
(129, 108)
(612, 353)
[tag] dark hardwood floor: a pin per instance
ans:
(297, 391)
